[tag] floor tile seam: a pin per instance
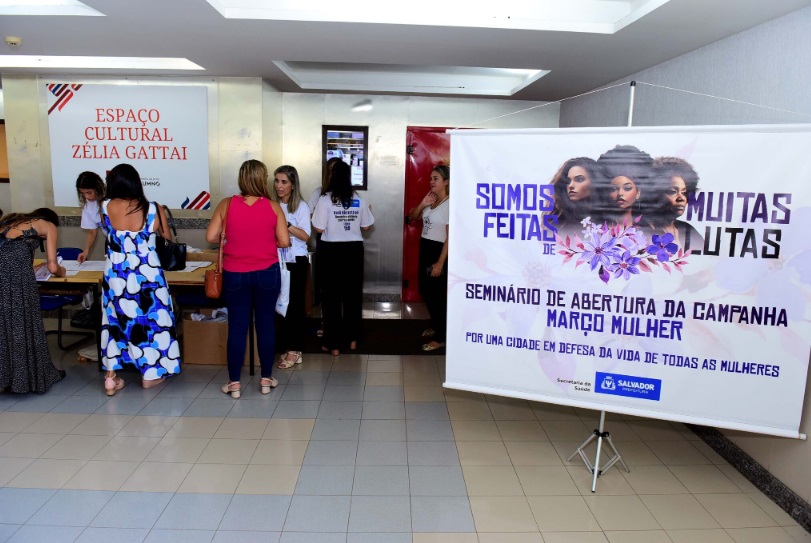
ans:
(679, 479)
(644, 505)
(32, 515)
(688, 493)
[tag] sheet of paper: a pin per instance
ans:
(87, 265)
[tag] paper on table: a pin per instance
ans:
(191, 266)
(41, 273)
(87, 265)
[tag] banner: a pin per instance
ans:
(161, 130)
(659, 272)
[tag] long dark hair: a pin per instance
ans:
(43, 213)
(340, 184)
(626, 161)
(89, 180)
(124, 182)
(657, 210)
(569, 212)
(327, 173)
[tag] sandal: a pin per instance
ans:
(432, 346)
(233, 388)
(428, 332)
(267, 383)
(286, 364)
(113, 385)
(149, 383)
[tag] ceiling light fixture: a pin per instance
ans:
(103, 63)
(590, 16)
(47, 7)
(363, 105)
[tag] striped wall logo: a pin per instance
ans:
(203, 201)
(63, 92)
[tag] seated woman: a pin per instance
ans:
(629, 171)
(673, 179)
(25, 363)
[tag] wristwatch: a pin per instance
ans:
(288, 224)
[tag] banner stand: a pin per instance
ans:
(599, 434)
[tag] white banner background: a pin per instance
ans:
(755, 159)
(161, 130)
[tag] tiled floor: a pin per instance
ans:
(360, 449)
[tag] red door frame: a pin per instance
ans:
(425, 148)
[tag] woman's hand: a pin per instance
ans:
(428, 200)
(82, 257)
(60, 271)
(436, 269)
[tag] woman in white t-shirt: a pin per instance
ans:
(287, 191)
(434, 210)
(90, 189)
(312, 201)
(340, 216)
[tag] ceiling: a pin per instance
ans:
(478, 52)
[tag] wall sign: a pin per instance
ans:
(161, 130)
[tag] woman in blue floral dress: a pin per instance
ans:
(138, 322)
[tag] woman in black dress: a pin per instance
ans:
(25, 363)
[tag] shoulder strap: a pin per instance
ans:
(222, 234)
(171, 221)
(160, 220)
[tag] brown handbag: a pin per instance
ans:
(213, 278)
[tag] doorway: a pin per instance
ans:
(425, 148)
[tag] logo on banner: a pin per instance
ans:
(63, 92)
(202, 201)
(629, 385)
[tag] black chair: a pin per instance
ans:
(49, 302)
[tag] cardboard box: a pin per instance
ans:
(205, 342)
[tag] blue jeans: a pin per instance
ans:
(251, 293)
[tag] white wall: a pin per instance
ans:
(768, 65)
(304, 114)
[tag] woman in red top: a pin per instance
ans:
(255, 228)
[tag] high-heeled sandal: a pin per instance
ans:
(233, 388)
(267, 383)
(286, 364)
(113, 385)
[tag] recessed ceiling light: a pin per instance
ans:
(47, 7)
(591, 16)
(454, 80)
(104, 63)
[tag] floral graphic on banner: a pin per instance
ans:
(621, 251)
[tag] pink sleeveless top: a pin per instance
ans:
(250, 236)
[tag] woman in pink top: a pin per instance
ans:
(253, 231)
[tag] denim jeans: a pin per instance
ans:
(246, 294)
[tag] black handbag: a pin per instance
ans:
(172, 254)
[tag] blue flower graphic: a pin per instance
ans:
(624, 265)
(622, 251)
(662, 247)
(599, 250)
